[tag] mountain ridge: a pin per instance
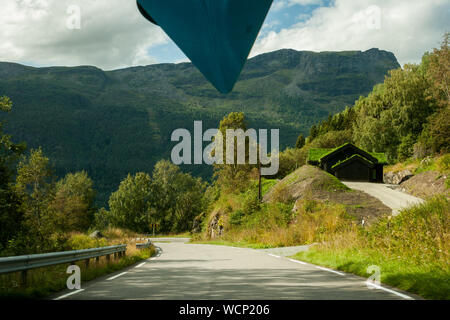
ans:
(114, 122)
(259, 56)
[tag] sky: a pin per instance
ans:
(111, 34)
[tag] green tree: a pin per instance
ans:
(435, 137)
(35, 185)
(300, 142)
(178, 197)
(11, 215)
(233, 177)
(102, 219)
(313, 132)
(438, 71)
(73, 206)
(130, 205)
(395, 113)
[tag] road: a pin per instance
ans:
(205, 272)
(394, 199)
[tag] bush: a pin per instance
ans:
(102, 219)
(333, 139)
(419, 233)
(236, 218)
(443, 163)
(291, 160)
(81, 241)
(250, 203)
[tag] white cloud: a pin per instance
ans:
(282, 4)
(113, 34)
(406, 27)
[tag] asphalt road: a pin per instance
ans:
(204, 272)
(394, 199)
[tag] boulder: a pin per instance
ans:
(397, 177)
(216, 224)
(96, 234)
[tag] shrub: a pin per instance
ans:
(236, 218)
(81, 241)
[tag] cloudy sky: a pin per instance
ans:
(112, 34)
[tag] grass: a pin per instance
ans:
(315, 154)
(412, 250)
(428, 281)
(43, 282)
(276, 225)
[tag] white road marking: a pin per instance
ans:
(153, 259)
(116, 276)
(69, 294)
(272, 255)
(297, 261)
(329, 270)
(404, 296)
(140, 265)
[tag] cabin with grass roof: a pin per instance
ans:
(349, 163)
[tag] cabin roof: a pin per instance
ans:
(315, 155)
(355, 157)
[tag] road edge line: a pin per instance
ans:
(68, 294)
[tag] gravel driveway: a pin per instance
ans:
(394, 199)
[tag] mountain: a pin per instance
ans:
(112, 123)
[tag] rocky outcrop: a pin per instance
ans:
(216, 224)
(397, 177)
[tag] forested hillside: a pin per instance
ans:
(119, 122)
(406, 116)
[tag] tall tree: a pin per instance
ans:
(178, 197)
(35, 185)
(436, 136)
(11, 215)
(300, 142)
(438, 71)
(130, 205)
(73, 207)
(233, 177)
(392, 117)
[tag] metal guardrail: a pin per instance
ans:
(144, 245)
(27, 262)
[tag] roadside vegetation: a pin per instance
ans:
(42, 282)
(411, 249)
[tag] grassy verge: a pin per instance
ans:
(428, 281)
(411, 249)
(43, 282)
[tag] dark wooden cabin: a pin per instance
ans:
(349, 163)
